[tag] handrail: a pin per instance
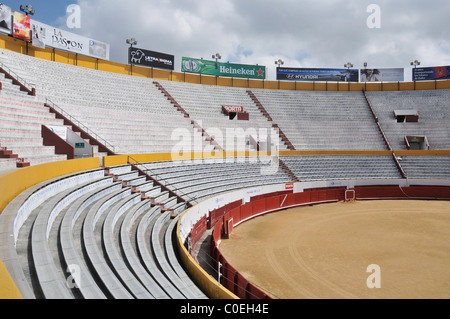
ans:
(383, 135)
(29, 86)
(80, 125)
(163, 182)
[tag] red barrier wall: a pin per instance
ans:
(217, 214)
(233, 280)
(198, 230)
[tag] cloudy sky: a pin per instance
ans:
(303, 33)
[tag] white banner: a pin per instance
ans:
(45, 35)
(383, 75)
(5, 19)
(61, 131)
(38, 35)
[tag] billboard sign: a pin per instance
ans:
(45, 35)
(38, 35)
(223, 69)
(151, 59)
(5, 19)
(21, 26)
(233, 109)
(317, 74)
(432, 73)
(383, 75)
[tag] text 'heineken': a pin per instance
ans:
(223, 69)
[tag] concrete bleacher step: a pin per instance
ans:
(17, 221)
(72, 245)
(128, 246)
(173, 261)
(20, 130)
(143, 231)
(7, 165)
(158, 198)
(51, 277)
(93, 245)
(110, 243)
(180, 291)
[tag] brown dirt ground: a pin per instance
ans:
(322, 252)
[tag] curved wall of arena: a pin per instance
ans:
(50, 54)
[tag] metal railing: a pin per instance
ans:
(29, 86)
(163, 182)
(80, 125)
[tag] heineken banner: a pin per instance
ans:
(431, 74)
(383, 75)
(306, 74)
(45, 35)
(223, 69)
(152, 59)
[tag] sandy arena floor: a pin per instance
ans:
(324, 251)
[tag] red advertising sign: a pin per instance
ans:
(233, 109)
(21, 26)
(290, 186)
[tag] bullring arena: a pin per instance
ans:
(324, 251)
(173, 198)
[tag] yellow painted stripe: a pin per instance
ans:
(8, 289)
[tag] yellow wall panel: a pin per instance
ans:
(15, 182)
(8, 289)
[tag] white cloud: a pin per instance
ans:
(309, 33)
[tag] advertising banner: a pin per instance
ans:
(21, 26)
(319, 74)
(38, 35)
(61, 131)
(5, 19)
(432, 73)
(383, 75)
(233, 109)
(223, 69)
(151, 59)
(45, 35)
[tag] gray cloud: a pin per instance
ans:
(310, 33)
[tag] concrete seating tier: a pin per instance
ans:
(89, 235)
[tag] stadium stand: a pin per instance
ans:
(303, 115)
(198, 180)
(108, 103)
(119, 223)
(312, 168)
(426, 167)
(91, 221)
(432, 122)
(204, 104)
(20, 129)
